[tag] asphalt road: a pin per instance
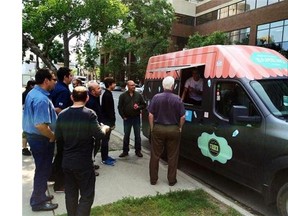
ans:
(248, 198)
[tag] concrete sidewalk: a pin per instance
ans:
(128, 178)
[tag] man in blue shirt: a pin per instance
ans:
(39, 119)
(61, 94)
(61, 99)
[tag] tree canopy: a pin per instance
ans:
(197, 40)
(148, 25)
(44, 20)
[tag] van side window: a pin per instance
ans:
(229, 94)
(155, 86)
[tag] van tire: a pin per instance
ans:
(282, 200)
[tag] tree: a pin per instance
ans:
(44, 20)
(56, 52)
(148, 25)
(90, 55)
(198, 40)
(118, 46)
(149, 22)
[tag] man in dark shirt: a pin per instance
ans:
(109, 119)
(166, 118)
(94, 92)
(129, 106)
(76, 129)
(61, 99)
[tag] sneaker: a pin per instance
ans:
(108, 162)
(26, 152)
(111, 159)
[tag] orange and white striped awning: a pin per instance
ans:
(221, 61)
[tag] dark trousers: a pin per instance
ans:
(42, 151)
(164, 136)
(128, 124)
(83, 182)
(105, 146)
(97, 143)
(57, 171)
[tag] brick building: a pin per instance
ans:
(253, 22)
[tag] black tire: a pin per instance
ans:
(282, 200)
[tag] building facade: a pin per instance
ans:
(252, 22)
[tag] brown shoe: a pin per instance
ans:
(96, 167)
(123, 154)
(172, 183)
(139, 154)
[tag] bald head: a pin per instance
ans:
(94, 88)
(131, 85)
(79, 94)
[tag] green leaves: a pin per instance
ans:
(215, 38)
(44, 20)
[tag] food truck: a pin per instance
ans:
(240, 128)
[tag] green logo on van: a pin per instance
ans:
(215, 147)
(268, 60)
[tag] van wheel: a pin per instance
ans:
(282, 200)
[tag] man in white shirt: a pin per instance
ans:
(194, 87)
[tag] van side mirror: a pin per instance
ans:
(240, 115)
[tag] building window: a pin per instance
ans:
(272, 1)
(223, 13)
(261, 3)
(185, 20)
(233, 9)
(241, 7)
(274, 35)
(250, 5)
(207, 17)
(240, 36)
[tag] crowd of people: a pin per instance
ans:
(76, 124)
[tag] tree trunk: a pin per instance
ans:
(66, 49)
(35, 49)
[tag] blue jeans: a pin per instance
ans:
(128, 124)
(43, 152)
